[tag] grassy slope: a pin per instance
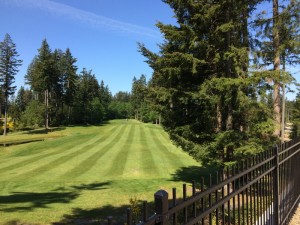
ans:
(87, 172)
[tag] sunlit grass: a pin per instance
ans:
(86, 173)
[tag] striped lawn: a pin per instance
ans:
(86, 173)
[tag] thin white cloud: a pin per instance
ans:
(85, 17)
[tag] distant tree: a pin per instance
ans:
(96, 111)
(295, 118)
(40, 76)
(70, 80)
(120, 107)
(56, 91)
(122, 96)
(33, 116)
(105, 98)
(8, 69)
(21, 101)
(138, 95)
(88, 90)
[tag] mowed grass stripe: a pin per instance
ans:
(85, 165)
(76, 151)
(117, 168)
(170, 157)
(95, 188)
(44, 154)
(68, 144)
(63, 156)
(149, 165)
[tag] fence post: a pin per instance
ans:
(161, 207)
(276, 186)
(129, 216)
(109, 220)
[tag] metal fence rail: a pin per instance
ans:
(264, 189)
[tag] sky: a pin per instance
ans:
(101, 34)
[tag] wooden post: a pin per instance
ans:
(129, 217)
(161, 207)
(109, 220)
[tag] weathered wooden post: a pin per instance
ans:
(129, 216)
(161, 207)
(109, 220)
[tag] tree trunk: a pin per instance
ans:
(276, 44)
(283, 105)
(219, 118)
(229, 119)
(46, 110)
(5, 118)
(69, 114)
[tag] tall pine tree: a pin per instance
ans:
(201, 83)
(9, 64)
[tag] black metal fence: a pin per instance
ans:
(264, 189)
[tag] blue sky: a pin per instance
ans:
(101, 34)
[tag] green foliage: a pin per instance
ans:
(68, 97)
(144, 109)
(105, 98)
(8, 65)
(295, 116)
(96, 111)
(8, 69)
(19, 104)
(135, 209)
(211, 104)
(120, 110)
(87, 104)
(138, 94)
(33, 116)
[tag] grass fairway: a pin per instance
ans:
(83, 174)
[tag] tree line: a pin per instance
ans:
(56, 94)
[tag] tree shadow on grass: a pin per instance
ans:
(100, 215)
(103, 123)
(28, 201)
(43, 131)
(95, 216)
(195, 173)
(34, 200)
(92, 186)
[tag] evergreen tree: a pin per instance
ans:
(23, 98)
(9, 64)
(33, 116)
(70, 80)
(56, 89)
(88, 90)
(138, 95)
(278, 46)
(120, 107)
(40, 75)
(201, 84)
(295, 118)
(105, 98)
